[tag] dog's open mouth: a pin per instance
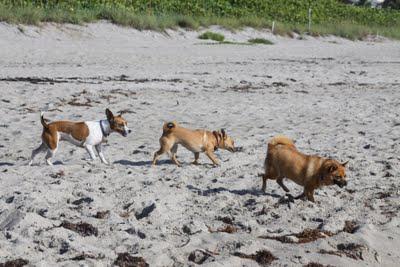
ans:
(124, 134)
(340, 183)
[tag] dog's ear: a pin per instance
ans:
(110, 115)
(344, 163)
(223, 133)
(332, 167)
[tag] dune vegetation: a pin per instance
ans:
(327, 16)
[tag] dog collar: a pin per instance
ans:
(105, 128)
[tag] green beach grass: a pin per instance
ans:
(260, 41)
(212, 36)
(328, 16)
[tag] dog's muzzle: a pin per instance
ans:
(126, 131)
(340, 183)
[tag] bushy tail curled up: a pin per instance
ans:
(281, 140)
(43, 121)
(169, 126)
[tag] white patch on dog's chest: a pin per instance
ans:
(310, 170)
(95, 134)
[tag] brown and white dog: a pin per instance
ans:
(83, 134)
(194, 140)
(285, 161)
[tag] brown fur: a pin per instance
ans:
(194, 140)
(78, 130)
(285, 161)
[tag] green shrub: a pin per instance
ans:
(260, 41)
(287, 11)
(212, 36)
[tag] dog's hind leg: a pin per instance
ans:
(196, 158)
(36, 151)
(174, 149)
(49, 155)
(157, 155)
(280, 182)
(269, 174)
(165, 146)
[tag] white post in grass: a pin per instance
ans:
(309, 20)
(273, 27)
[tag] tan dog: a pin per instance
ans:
(194, 140)
(285, 161)
(84, 134)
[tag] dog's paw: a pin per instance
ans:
(290, 198)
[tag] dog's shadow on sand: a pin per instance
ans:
(141, 162)
(242, 192)
(6, 164)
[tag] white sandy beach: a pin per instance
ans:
(335, 97)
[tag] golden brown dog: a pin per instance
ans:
(194, 140)
(285, 161)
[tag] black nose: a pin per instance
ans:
(129, 131)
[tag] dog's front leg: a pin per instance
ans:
(301, 196)
(213, 158)
(264, 181)
(310, 194)
(89, 149)
(280, 182)
(99, 150)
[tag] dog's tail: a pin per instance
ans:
(43, 121)
(281, 140)
(169, 126)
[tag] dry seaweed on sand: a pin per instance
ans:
(225, 229)
(126, 260)
(262, 257)
(316, 264)
(350, 250)
(14, 263)
(306, 236)
(350, 227)
(102, 214)
(82, 228)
